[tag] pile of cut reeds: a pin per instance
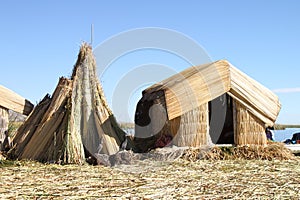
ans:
(253, 152)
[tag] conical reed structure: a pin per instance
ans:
(75, 122)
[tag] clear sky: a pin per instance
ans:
(40, 41)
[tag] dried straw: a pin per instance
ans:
(249, 129)
(192, 127)
(272, 151)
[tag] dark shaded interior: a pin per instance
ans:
(225, 109)
(143, 138)
(142, 117)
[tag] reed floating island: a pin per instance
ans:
(214, 103)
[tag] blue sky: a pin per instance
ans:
(40, 41)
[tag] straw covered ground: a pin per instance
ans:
(180, 179)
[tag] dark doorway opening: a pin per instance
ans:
(221, 125)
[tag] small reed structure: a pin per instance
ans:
(10, 100)
(210, 103)
(72, 124)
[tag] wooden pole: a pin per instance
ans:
(92, 34)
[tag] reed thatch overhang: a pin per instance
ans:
(197, 85)
(9, 100)
(13, 101)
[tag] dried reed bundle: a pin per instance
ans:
(272, 151)
(73, 123)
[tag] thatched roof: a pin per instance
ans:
(12, 101)
(200, 84)
(73, 123)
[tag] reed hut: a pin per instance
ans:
(10, 100)
(188, 100)
(73, 123)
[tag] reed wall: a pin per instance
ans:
(3, 123)
(248, 128)
(191, 128)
